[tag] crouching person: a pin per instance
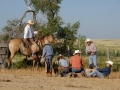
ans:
(76, 62)
(101, 72)
(63, 68)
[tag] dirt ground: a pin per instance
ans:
(26, 79)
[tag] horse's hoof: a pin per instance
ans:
(8, 68)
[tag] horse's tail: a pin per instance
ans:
(8, 51)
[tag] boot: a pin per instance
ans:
(50, 73)
(27, 47)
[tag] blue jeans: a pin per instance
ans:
(96, 72)
(49, 63)
(92, 59)
(65, 71)
(77, 70)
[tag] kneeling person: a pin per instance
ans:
(63, 67)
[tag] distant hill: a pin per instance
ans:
(107, 43)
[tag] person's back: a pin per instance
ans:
(47, 50)
(76, 62)
(63, 63)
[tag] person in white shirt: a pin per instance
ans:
(29, 33)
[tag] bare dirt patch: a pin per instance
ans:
(25, 79)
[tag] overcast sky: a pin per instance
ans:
(99, 19)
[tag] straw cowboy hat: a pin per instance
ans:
(60, 55)
(47, 42)
(110, 62)
(88, 40)
(76, 51)
(30, 22)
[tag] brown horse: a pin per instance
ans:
(17, 45)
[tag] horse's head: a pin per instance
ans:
(51, 39)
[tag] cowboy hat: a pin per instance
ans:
(76, 51)
(88, 40)
(30, 22)
(47, 42)
(109, 62)
(60, 55)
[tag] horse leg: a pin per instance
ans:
(33, 65)
(37, 65)
(10, 60)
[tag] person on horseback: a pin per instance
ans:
(29, 34)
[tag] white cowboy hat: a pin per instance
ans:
(47, 42)
(110, 62)
(88, 40)
(30, 22)
(76, 51)
(60, 55)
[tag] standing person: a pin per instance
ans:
(91, 52)
(76, 62)
(101, 72)
(48, 55)
(63, 65)
(29, 33)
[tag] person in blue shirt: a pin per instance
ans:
(101, 72)
(48, 55)
(63, 67)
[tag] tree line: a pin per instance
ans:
(66, 34)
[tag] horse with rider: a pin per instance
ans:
(28, 46)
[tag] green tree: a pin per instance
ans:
(65, 33)
(11, 30)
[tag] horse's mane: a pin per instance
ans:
(46, 36)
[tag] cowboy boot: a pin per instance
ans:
(27, 47)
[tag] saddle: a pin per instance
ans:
(24, 43)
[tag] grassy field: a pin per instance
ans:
(102, 45)
(27, 79)
(112, 44)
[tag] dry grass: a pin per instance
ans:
(107, 43)
(25, 79)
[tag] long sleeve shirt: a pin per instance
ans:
(47, 50)
(105, 71)
(76, 62)
(29, 32)
(63, 63)
(91, 48)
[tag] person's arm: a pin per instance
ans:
(59, 62)
(82, 63)
(36, 32)
(70, 62)
(44, 52)
(103, 69)
(94, 49)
